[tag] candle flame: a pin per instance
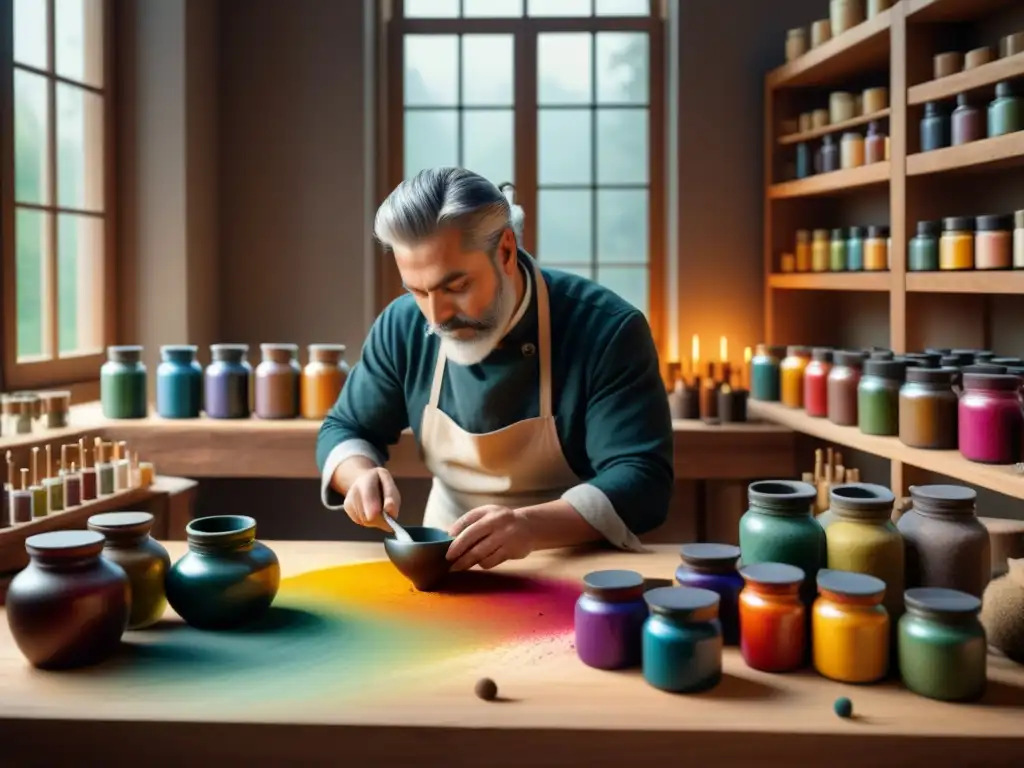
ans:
(695, 350)
(747, 354)
(723, 349)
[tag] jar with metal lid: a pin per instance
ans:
(773, 616)
(990, 419)
(322, 379)
(1006, 112)
(878, 397)
(1018, 239)
(934, 127)
(820, 251)
(923, 255)
(791, 373)
(682, 639)
(956, 246)
(968, 122)
(843, 379)
(876, 249)
(837, 250)
(609, 619)
(829, 154)
(713, 566)
(993, 242)
(803, 250)
(874, 143)
(850, 627)
(852, 150)
(764, 373)
(179, 382)
(228, 382)
(277, 382)
(123, 383)
(928, 408)
(855, 249)
(816, 382)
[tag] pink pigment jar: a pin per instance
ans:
(991, 418)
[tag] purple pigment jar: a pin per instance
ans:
(713, 567)
(610, 617)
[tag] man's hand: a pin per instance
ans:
(373, 492)
(488, 536)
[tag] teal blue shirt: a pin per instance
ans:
(609, 402)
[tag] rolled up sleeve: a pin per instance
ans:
(628, 440)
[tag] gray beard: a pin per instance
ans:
(498, 315)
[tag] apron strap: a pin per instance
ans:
(435, 387)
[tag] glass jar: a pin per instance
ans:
(816, 382)
(1006, 112)
(862, 537)
(843, 379)
(968, 122)
(682, 639)
(990, 420)
(804, 160)
(837, 251)
(855, 249)
(773, 619)
(228, 382)
(820, 251)
(946, 545)
(928, 409)
(850, 627)
(875, 144)
(934, 127)
(993, 242)
(713, 566)
(943, 651)
(876, 249)
(1018, 239)
(956, 247)
(791, 373)
(764, 373)
(852, 150)
(779, 527)
(829, 154)
(803, 250)
(796, 43)
(878, 396)
(609, 619)
(322, 379)
(277, 382)
(924, 248)
(179, 382)
(123, 383)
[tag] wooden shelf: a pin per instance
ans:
(983, 77)
(1002, 479)
(856, 50)
(983, 155)
(831, 183)
(952, 10)
(981, 281)
(830, 281)
(853, 122)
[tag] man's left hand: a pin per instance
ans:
(488, 536)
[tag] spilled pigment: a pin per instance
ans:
(336, 632)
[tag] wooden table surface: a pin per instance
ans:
(557, 712)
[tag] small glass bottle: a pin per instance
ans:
(791, 372)
(874, 144)
(820, 251)
(843, 380)
(855, 250)
(1018, 240)
(956, 246)
(852, 150)
(993, 243)
(934, 127)
(923, 254)
(277, 382)
(682, 639)
(829, 154)
(322, 379)
(803, 250)
(876, 249)
(1006, 112)
(609, 619)
(804, 161)
(123, 383)
(764, 373)
(816, 382)
(837, 251)
(179, 382)
(228, 382)
(968, 122)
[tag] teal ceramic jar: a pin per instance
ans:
(179, 382)
(878, 397)
(1006, 112)
(923, 255)
(682, 639)
(227, 578)
(764, 373)
(855, 250)
(942, 645)
(779, 527)
(123, 383)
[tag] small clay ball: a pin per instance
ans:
(843, 707)
(486, 689)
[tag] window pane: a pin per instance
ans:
(492, 8)
(431, 139)
(586, 272)
(622, 67)
(487, 65)
(78, 45)
(31, 136)
(563, 68)
(631, 283)
(622, 146)
(564, 219)
(79, 283)
(431, 70)
(622, 225)
(559, 7)
(431, 9)
(563, 146)
(32, 244)
(30, 33)
(488, 144)
(79, 148)
(623, 7)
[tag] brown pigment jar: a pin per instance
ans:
(928, 408)
(277, 382)
(842, 387)
(947, 546)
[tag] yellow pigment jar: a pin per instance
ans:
(850, 627)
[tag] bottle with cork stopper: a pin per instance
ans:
(39, 496)
(104, 470)
(88, 473)
(72, 479)
(21, 500)
(54, 484)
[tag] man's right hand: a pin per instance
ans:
(373, 492)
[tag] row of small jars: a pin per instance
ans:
(842, 249)
(843, 15)
(229, 388)
(18, 411)
(853, 150)
(968, 122)
(965, 242)
(835, 587)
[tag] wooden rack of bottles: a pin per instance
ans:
(896, 308)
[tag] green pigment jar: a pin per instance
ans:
(764, 373)
(837, 252)
(1006, 112)
(923, 255)
(123, 383)
(878, 397)
(941, 644)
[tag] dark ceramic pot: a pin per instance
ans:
(69, 607)
(227, 578)
(424, 560)
(144, 560)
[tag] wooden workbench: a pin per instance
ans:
(557, 712)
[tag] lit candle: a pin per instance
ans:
(747, 355)
(723, 349)
(695, 356)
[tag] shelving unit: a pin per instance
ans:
(899, 309)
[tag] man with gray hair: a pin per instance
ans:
(535, 395)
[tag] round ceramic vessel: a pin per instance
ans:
(424, 560)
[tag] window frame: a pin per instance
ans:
(525, 30)
(56, 371)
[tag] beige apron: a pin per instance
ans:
(516, 466)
